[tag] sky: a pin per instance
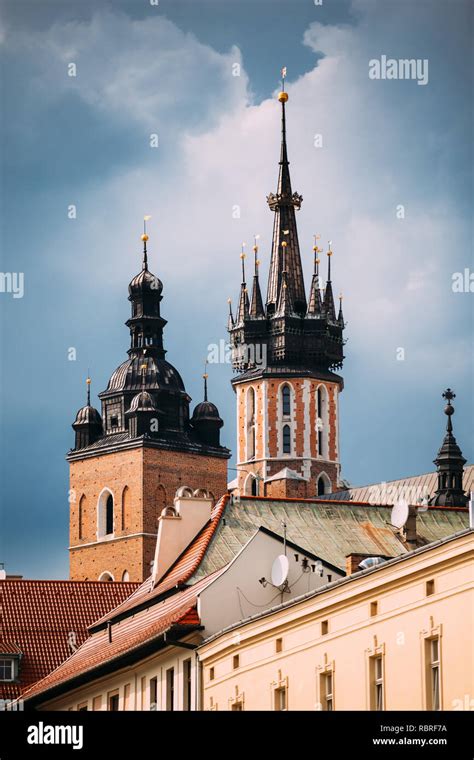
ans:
(384, 167)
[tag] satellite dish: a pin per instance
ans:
(399, 514)
(280, 570)
(371, 562)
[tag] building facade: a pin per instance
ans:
(396, 637)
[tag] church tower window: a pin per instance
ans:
(286, 439)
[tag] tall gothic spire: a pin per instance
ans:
(450, 463)
(284, 203)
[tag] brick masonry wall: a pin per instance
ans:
(304, 435)
(143, 481)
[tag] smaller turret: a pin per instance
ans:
(206, 420)
(450, 463)
(88, 422)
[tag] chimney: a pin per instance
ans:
(410, 526)
(178, 526)
(353, 561)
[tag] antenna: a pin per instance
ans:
(280, 569)
(399, 514)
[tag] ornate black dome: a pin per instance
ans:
(206, 411)
(159, 375)
(142, 402)
(87, 415)
(145, 281)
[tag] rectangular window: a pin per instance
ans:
(430, 587)
(170, 689)
(7, 670)
(187, 685)
(324, 627)
(211, 674)
(114, 702)
(82, 707)
(326, 690)
(235, 661)
(374, 609)
(279, 645)
(153, 693)
(376, 683)
(433, 662)
(237, 707)
(97, 703)
(280, 698)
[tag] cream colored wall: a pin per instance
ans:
(154, 666)
(406, 617)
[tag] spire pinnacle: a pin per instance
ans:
(328, 305)
(144, 237)
(329, 254)
(205, 376)
(88, 383)
(243, 256)
(450, 464)
(314, 301)
(256, 303)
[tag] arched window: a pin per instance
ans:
(81, 516)
(322, 422)
(323, 484)
(250, 423)
(286, 400)
(286, 439)
(125, 576)
(251, 485)
(125, 508)
(106, 576)
(105, 514)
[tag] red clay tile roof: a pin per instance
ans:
(183, 568)
(177, 611)
(37, 617)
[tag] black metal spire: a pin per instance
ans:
(284, 203)
(146, 324)
(314, 303)
(205, 376)
(257, 309)
(328, 304)
(244, 305)
(450, 463)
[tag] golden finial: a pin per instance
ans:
(229, 300)
(284, 243)
(143, 367)
(257, 262)
(144, 237)
(315, 246)
(329, 247)
(317, 261)
(88, 380)
(283, 96)
(340, 296)
(243, 255)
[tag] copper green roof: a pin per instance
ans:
(331, 530)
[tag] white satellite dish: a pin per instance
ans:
(399, 514)
(280, 570)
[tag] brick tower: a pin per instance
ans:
(128, 462)
(285, 353)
